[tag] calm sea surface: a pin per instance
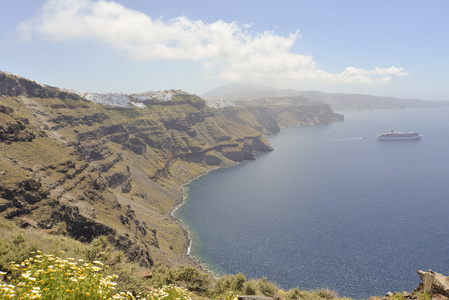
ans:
(331, 207)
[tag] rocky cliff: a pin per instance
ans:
(102, 170)
(113, 165)
(268, 115)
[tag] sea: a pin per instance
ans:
(331, 207)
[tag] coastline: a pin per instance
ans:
(203, 266)
(369, 283)
(181, 200)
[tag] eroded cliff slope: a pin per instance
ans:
(269, 115)
(98, 170)
(113, 164)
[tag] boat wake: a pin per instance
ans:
(347, 139)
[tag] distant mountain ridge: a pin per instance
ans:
(237, 92)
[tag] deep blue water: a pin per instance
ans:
(332, 207)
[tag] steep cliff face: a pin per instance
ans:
(312, 113)
(108, 171)
(271, 114)
(117, 169)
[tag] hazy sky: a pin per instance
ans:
(381, 47)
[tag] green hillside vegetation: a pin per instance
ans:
(18, 245)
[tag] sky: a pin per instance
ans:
(397, 48)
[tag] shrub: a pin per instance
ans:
(159, 277)
(250, 287)
(230, 283)
(222, 285)
(267, 288)
(295, 294)
(187, 277)
(239, 282)
(326, 294)
(18, 239)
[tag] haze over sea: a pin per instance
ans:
(331, 207)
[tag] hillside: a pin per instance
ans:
(231, 94)
(100, 170)
(113, 164)
(270, 115)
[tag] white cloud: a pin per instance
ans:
(391, 71)
(226, 50)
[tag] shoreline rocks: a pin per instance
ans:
(433, 284)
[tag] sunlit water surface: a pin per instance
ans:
(331, 207)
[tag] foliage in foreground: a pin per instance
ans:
(18, 244)
(46, 276)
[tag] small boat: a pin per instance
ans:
(399, 136)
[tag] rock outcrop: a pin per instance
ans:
(433, 283)
(14, 129)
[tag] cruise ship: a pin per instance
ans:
(399, 136)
